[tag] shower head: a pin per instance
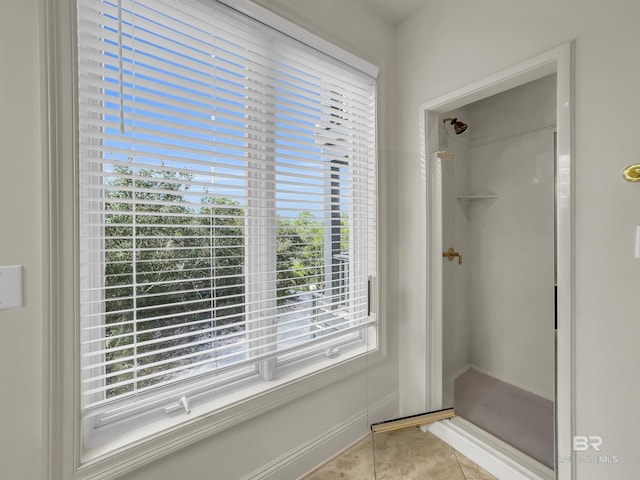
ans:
(459, 127)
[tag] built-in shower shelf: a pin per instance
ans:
(467, 200)
(470, 198)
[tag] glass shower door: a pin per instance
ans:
(404, 447)
(453, 300)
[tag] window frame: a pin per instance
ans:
(61, 178)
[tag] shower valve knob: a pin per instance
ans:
(451, 254)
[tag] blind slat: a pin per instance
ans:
(227, 198)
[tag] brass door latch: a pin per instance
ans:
(451, 254)
(632, 173)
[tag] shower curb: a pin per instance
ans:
(488, 452)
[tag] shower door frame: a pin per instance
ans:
(560, 62)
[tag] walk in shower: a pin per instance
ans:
(496, 192)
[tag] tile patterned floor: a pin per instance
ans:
(400, 455)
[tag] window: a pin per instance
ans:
(227, 209)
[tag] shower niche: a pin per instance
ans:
(492, 200)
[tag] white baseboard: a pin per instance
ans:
(308, 456)
(496, 457)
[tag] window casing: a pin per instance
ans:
(227, 209)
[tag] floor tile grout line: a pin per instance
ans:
(373, 455)
(455, 454)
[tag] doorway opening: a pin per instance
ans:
(498, 168)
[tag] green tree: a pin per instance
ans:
(300, 253)
(170, 271)
(222, 221)
(174, 273)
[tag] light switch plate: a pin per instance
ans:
(10, 286)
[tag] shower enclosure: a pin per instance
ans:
(493, 266)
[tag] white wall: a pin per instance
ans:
(511, 254)
(251, 449)
(21, 341)
(449, 44)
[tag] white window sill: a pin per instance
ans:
(163, 437)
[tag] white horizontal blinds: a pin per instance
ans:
(324, 122)
(222, 171)
(171, 220)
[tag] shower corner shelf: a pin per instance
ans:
(471, 198)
